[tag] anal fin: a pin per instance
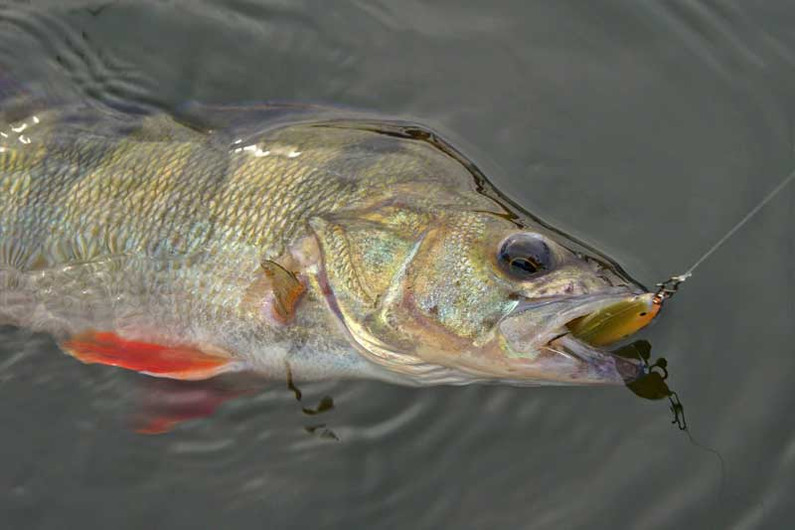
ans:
(187, 363)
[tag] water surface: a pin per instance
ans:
(647, 129)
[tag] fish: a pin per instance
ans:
(294, 241)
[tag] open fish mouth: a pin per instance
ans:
(612, 322)
(573, 334)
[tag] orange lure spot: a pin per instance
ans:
(176, 362)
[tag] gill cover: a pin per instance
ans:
(416, 291)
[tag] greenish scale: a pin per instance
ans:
(147, 223)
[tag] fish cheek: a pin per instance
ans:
(361, 259)
(452, 295)
(426, 290)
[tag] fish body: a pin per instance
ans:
(316, 247)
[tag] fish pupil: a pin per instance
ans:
(524, 255)
(527, 265)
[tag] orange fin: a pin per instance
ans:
(174, 362)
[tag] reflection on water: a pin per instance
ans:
(584, 113)
(163, 404)
(653, 385)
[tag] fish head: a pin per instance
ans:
(466, 295)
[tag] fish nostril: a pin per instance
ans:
(569, 288)
(605, 278)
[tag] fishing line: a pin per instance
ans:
(670, 286)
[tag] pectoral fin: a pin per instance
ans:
(276, 293)
(170, 361)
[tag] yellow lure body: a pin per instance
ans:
(617, 321)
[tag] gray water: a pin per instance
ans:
(644, 128)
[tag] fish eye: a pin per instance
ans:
(524, 256)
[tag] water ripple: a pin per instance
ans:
(612, 106)
(92, 72)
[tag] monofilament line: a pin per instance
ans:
(740, 224)
(670, 286)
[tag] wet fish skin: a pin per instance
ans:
(159, 231)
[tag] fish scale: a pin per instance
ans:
(87, 198)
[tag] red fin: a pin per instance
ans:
(175, 362)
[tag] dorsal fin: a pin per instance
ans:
(209, 117)
(230, 123)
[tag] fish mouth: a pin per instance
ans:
(573, 334)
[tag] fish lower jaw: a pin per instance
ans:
(601, 366)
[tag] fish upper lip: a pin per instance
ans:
(613, 294)
(573, 307)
